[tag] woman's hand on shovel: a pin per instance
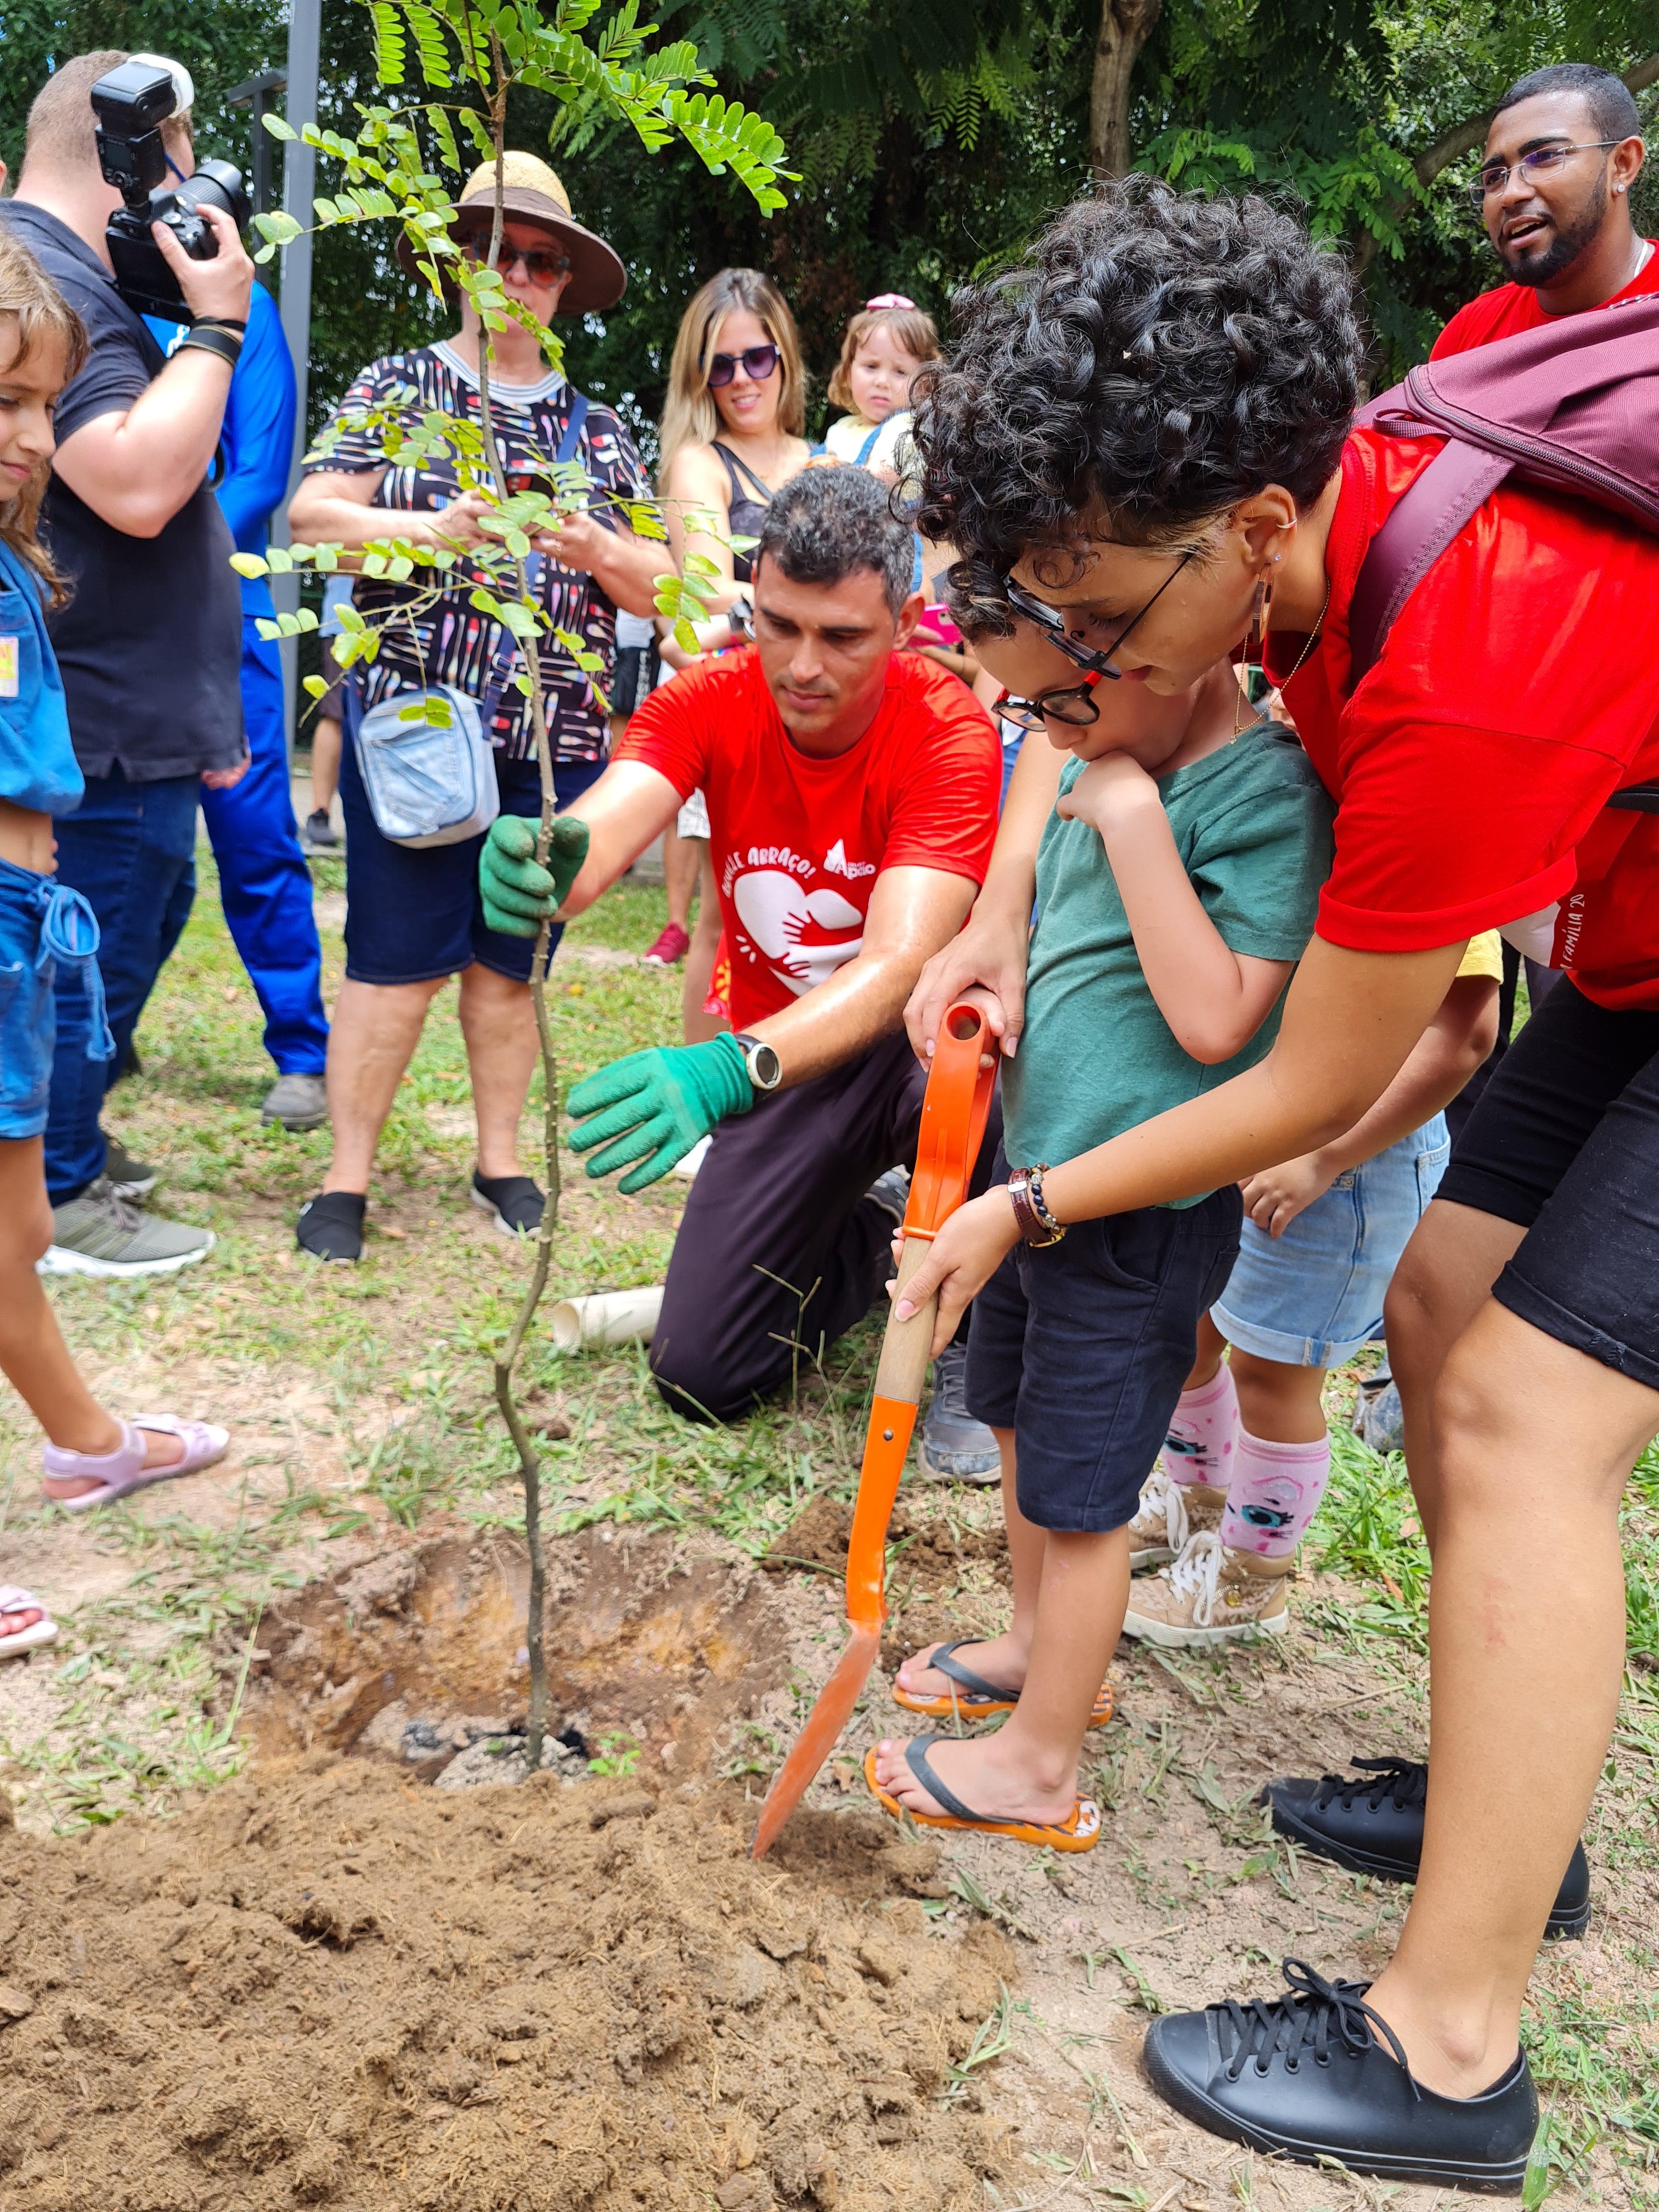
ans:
(961, 1259)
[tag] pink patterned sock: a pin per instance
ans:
(1204, 1432)
(1272, 1493)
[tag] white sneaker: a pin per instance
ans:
(1211, 1595)
(1168, 1514)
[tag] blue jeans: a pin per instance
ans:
(264, 884)
(130, 850)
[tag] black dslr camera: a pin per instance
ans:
(130, 104)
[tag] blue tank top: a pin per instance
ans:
(38, 767)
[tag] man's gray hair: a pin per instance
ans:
(826, 523)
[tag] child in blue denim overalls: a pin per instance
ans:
(90, 1457)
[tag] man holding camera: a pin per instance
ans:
(149, 646)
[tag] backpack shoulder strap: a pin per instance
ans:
(1419, 530)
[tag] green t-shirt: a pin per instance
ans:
(1252, 824)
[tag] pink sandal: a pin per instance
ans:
(123, 1471)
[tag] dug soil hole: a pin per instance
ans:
(654, 1650)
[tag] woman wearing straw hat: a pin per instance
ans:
(413, 918)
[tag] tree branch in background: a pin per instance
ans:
(1463, 137)
(1125, 28)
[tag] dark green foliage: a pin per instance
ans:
(932, 139)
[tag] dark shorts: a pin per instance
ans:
(1564, 1142)
(1082, 1348)
(414, 913)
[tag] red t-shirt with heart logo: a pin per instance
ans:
(799, 842)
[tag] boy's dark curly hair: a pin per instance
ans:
(1155, 358)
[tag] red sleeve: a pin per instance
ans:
(670, 732)
(1475, 323)
(944, 815)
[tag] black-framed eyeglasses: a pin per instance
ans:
(758, 362)
(541, 265)
(1075, 707)
(1540, 162)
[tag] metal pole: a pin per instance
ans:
(299, 188)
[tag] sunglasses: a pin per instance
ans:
(1077, 707)
(541, 265)
(758, 362)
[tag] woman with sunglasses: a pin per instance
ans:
(1148, 427)
(730, 439)
(414, 915)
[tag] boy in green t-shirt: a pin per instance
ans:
(1176, 885)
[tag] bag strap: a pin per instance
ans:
(1419, 530)
(573, 428)
(507, 646)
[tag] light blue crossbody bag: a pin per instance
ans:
(433, 783)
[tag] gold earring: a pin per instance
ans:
(1255, 643)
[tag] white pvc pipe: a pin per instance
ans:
(607, 1317)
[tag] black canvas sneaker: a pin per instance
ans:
(1371, 1822)
(1317, 2076)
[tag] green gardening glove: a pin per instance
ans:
(519, 894)
(653, 1106)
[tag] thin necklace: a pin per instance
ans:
(1313, 640)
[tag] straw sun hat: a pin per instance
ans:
(531, 192)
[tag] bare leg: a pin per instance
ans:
(498, 1020)
(1279, 1403)
(697, 1026)
(325, 761)
(1028, 1770)
(1000, 1659)
(1444, 1279)
(1211, 1350)
(375, 1029)
(1535, 1442)
(680, 859)
(33, 1356)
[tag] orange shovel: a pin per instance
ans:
(953, 1112)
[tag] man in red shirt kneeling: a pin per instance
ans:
(851, 791)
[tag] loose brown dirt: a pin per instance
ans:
(335, 1987)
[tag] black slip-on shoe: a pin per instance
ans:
(514, 1203)
(1371, 1822)
(1318, 2075)
(330, 1226)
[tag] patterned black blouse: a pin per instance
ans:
(451, 642)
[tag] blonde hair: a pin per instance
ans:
(690, 416)
(32, 307)
(910, 328)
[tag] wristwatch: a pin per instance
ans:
(741, 616)
(765, 1068)
(1038, 1226)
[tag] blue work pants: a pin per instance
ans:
(264, 884)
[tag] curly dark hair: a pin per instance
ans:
(1156, 357)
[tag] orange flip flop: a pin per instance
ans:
(983, 1700)
(1079, 1832)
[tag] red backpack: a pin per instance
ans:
(1574, 407)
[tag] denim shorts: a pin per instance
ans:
(1081, 1348)
(414, 913)
(1312, 1297)
(42, 923)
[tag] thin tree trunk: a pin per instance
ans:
(1125, 28)
(507, 1358)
